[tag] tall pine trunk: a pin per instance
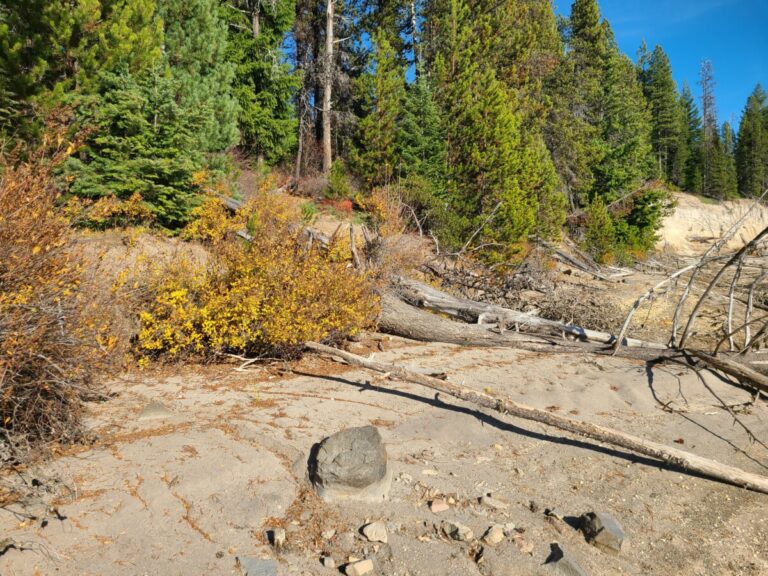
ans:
(327, 88)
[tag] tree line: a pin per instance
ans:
(495, 120)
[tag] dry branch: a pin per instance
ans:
(704, 466)
(425, 296)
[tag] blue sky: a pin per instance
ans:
(733, 34)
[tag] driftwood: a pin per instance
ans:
(403, 313)
(425, 296)
(700, 465)
(401, 319)
(743, 373)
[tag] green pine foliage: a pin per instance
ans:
(661, 93)
(195, 51)
(693, 180)
(378, 158)
(264, 84)
(483, 134)
(752, 145)
(625, 131)
(143, 141)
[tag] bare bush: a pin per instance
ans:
(50, 339)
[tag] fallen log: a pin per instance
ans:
(424, 296)
(744, 373)
(698, 464)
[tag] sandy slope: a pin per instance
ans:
(696, 223)
(191, 492)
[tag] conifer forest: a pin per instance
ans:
(383, 287)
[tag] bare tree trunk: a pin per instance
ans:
(256, 19)
(327, 88)
(704, 466)
(414, 38)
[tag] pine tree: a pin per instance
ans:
(483, 134)
(752, 146)
(195, 50)
(263, 82)
(693, 169)
(142, 141)
(729, 180)
(710, 142)
(625, 131)
(659, 89)
(421, 136)
(379, 160)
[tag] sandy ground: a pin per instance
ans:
(696, 223)
(193, 489)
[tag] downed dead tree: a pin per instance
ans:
(425, 296)
(698, 464)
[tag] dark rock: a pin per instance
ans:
(258, 566)
(602, 529)
(562, 563)
(351, 464)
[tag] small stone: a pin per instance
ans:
(509, 528)
(563, 564)
(494, 535)
(375, 532)
(328, 534)
(438, 505)
(219, 554)
(533, 506)
(603, 530)
(328, 562)
(258, 566)
(276, 537)
(360, 568)
(457, 531)
(493, 503)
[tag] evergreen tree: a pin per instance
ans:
(752, 146)
(195, 50)
(693, 179)
(729, 180)
(378, 160)
(421, 137)
(264, 84)
(483, 134)
(625, 131)
(659, 89)
(142, 141)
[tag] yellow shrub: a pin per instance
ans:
(263, 297)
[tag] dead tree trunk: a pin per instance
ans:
(692, 462)
(328, 87)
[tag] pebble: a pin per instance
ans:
(360, 568)
(603, 530)
(563, 564)
(458, 531)
(439, 505)
(258, 566)
(494, 503)
(375, 532)
(328, 534)
(328, 562)
(277, 538)
(494, 535)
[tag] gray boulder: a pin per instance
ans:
(351, 465)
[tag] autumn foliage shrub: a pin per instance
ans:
(261, 297)
(50, 343)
